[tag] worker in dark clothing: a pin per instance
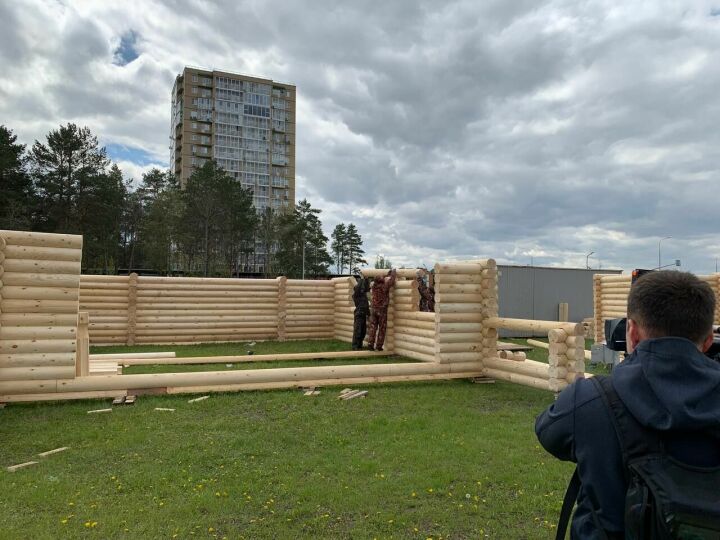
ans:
(378, 313)
(427, 295)
(362, 310)
(666, 383)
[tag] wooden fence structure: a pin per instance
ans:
(610, 294)
(50, 314)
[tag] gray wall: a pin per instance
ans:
(532, 292)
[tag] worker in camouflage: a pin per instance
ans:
(427, 295)
(362, 310)
(378, 312)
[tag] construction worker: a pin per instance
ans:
(378, 312)
(362, 310)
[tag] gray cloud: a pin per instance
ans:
(443, 130)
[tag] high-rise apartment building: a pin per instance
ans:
(247, 124)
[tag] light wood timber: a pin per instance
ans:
(204, 331)
(459, 317)
(417, 316)
(37, 359)
(13, 468)
(82, 358)
(458, 308)
(461, 298)
(116, 356)
(410, 273)
(415, 355)
(154, 280)
(36, 373)
(204, 325)
(43, 253)
(614, 278)
(42, 280)
(458, 337)
(529, 325)
(37, 332)
(27, 238)
(417, 332)
(209, 378)
(38, 306)
(239, 288)
(528, 367)
(52, 452)
(538, 344)
(37, 346)
(563, 311)
(448, 328)
(451, 288)
(458, 279)
(324, 382)
(179, 340)
(41, 266)
(461, 356)
(221, 318)
(558, 335)
(525, 380)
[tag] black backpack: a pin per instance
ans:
(665, 499)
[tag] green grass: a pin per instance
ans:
(446, 459)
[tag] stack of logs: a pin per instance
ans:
(310, 309)
(610, 293)
(465, 295)
(344, 308)
(186, 310)
(107, 299)
(39, 282)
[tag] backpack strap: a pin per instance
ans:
(635, 439)
(571, 496)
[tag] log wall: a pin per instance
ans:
(465, 296)
(610, 293)
(344, 308)
(39, 282)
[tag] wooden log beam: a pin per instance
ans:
(49, 240)
(527, 367)
(40, 280)
(37, 359)
(530, 325)
(243, 376)
(409, 273)
(524, 380)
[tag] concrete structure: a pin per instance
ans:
(247, 124)
(534, 292)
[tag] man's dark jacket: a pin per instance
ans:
(667, 385)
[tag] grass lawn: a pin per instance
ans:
(446, 459)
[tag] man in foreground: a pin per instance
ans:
(362, 310)
(666, 384)
(379, 307)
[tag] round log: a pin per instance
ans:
(41, 266)
(524, 380)
(36, 373)
(50, 240)
(460, 337)
(415, 355)
(530, 325)
(171, 306)
(458, 308)
(37, 332)
(615, 278)
(409, 273)
(455, 357)
(155, 280)
(528, 367)
(443, 318)
(40, 280)
(459, 298)
(246, 331)
(39, 346)
(38, 319)
(457, 279)
(43, 253)
(37, 359)
(38, 306)
(39, 293)
(230, 294)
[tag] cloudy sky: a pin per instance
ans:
(525, 130)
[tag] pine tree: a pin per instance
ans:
(353, 249)
(338, 246)
(17, 194)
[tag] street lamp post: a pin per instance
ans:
(659, 242)
(587, 257)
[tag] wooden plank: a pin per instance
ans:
(55, 451)
(14, 468)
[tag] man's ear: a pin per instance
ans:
(632, 335)
(707, 343)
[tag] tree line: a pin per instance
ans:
(67, 184)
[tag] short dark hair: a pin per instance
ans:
(670, 303)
